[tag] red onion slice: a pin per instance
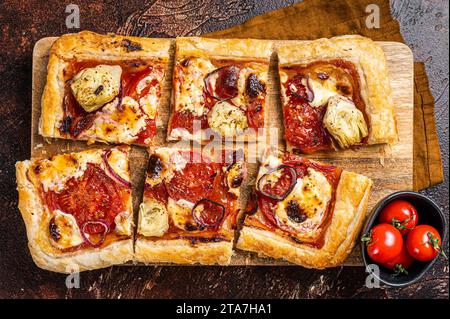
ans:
(300, 86)
(277, 188)
(121, 180)
(222, 84)
(208, 213)
(103, 234)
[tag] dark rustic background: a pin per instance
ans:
(424, 25)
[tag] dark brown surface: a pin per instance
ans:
(425, 28)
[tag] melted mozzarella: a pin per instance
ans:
(322, 90)
(65, 226)
(123, 224)
(344, 121)
(120, 124)
(190, 90)
(227, 119)
(153, 218)
(94, 87)
(180, 212)
(312, 193)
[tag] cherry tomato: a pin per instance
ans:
(401, 263)
(401, 214)
(424, 243)
(384, 243)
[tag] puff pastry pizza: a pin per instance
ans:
(189, 207)
(77, 209)
(335, 94)
(305, 212)
(104, 88)
(219, 88)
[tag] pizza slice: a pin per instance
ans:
(335, 94)
(77, 209)
(305, 212)
(190, 206)
(104, 88)
(219, 88)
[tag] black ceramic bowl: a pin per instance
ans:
(429, 213)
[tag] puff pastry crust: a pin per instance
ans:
(210, 55)
(167, 230)
(370, 62)
(34, 176)
(351, 199)
(90, 46)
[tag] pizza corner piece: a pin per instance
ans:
(336, 94)
(104, 88)
(306, 212)
(189, 208)
(77, 209)
(219, 89)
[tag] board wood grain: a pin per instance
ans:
(390, 167)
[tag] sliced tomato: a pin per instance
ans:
(185, 119)
(278, 183)
(208, 213)
(222, 84)
(304, 129)
(193, 182)
(92, 197)
(255, 114)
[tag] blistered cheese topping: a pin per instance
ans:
(123, 224)
(323, 90)
(227, 119)
(153, 218)
(344, 121)
(94, 87)
(119, 124)
(190, 90)
(305, 206)
(180, 212)
(64, 231)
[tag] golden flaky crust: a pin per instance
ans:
(181, 251)
(87, 45)
(226, 48)
(371, 64)
(35, 213)
(352, 196)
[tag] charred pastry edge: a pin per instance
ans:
(234, 49)
(87, 45)
(32, 209)
(372, 61)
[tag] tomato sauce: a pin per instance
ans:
(304, 123)
(76, 120)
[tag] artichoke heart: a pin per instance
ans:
(344, 121)
(227, 119)
(94, 87)
(153, 218)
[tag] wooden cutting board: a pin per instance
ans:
(390, 167)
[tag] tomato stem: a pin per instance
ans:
(399, 270)
(435, 243)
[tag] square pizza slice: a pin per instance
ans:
(335, 94)
(219, 88)
(104, 88)
(77, 209)
(190, 205)
(303, 211)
